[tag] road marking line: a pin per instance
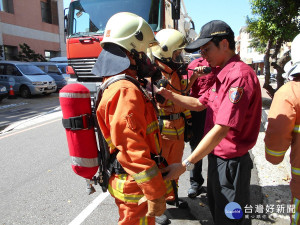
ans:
(89, 209)
(12, 105)
(21, 131)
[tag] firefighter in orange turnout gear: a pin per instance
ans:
(284, 127)
(127, 119)
(171, 117)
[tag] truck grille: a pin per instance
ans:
(83, 67)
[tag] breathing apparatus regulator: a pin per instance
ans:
(145, 67)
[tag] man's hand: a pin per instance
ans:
(201, 71)
(156, 207)
(174, 171)
(164, 92)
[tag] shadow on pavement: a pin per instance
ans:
(260, 211)
(198, 211)
(266, 103)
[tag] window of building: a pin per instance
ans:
(46, 12)
(1, 52)
(51, 54)
(10, 52)
(7, 6)
(249, 50)
(2, 71)
(49, 12)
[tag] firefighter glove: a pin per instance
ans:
(156, 207)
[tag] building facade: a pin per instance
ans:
(250, 56)
(37, 23)
(247, 53)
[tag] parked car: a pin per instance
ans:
(3, 92)
(52, 70)
(189, 57)
(63, 69)
(60, 59)
(26, 79)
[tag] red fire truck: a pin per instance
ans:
(86, 21)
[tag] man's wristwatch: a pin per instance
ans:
(188, 165)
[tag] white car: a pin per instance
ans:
(26, 79)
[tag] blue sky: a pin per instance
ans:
(233, 12)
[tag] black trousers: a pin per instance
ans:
(198, 122)
(228, 181)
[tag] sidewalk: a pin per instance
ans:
(273, 179)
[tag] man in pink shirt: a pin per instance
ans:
(199, 87)
(232, 125)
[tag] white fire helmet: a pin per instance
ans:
(171, 42)
(294, 69)
(129, 31)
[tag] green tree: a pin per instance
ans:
(29, 55)
(275, 22)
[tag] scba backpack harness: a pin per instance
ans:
(87, 147)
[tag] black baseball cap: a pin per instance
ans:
(208, 31)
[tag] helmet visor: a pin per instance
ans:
(150, 55)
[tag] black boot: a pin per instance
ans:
(181, 203)
(194, 192)
(163, 219)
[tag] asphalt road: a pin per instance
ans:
(38, 185)
(13, 110)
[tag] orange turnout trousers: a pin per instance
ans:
(129, 124)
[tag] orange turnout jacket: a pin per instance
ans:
(284, 131)
(128, 122)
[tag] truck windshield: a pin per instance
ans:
(89, 17)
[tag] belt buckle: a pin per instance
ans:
(174, 116)
(159, 159)
(87, 118)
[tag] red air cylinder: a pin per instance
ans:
(75, 100)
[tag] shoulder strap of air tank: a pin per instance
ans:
(129, 78)
(121, 77)
(117, 78)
